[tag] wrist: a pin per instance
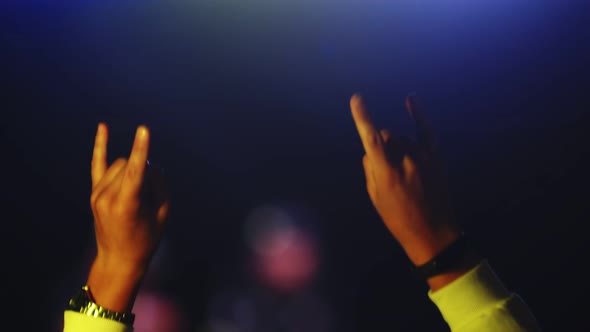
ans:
(465, 265)
(455, 257)
(114, 286)
(83, 302)
(423, 248)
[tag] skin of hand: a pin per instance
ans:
(130, 207)
(407, 186)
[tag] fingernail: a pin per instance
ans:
(101, 129)
(357, 98)
(142, 132)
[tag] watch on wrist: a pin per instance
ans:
(448, 259)
(83, 302)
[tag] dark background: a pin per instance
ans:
(248, 105)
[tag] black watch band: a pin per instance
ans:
(447, 259)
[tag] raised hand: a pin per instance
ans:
(406, 184)
(130, 209)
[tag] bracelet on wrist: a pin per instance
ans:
(83, 302)
(449, 258)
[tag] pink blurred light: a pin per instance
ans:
(291, 262)
(156, 313)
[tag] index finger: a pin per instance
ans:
(370, 137)
(135, 169)
(99, 154)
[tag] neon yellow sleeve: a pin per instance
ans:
(77, 322)
(478, 301)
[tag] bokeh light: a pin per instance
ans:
(285, 253)
(156, 312)
(292, 265)
(262, 224)
(257, 310)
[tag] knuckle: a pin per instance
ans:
(120, 162)
(97, 198)
(131, 171)
(93, 198)
(105, 199)
(102, 203)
